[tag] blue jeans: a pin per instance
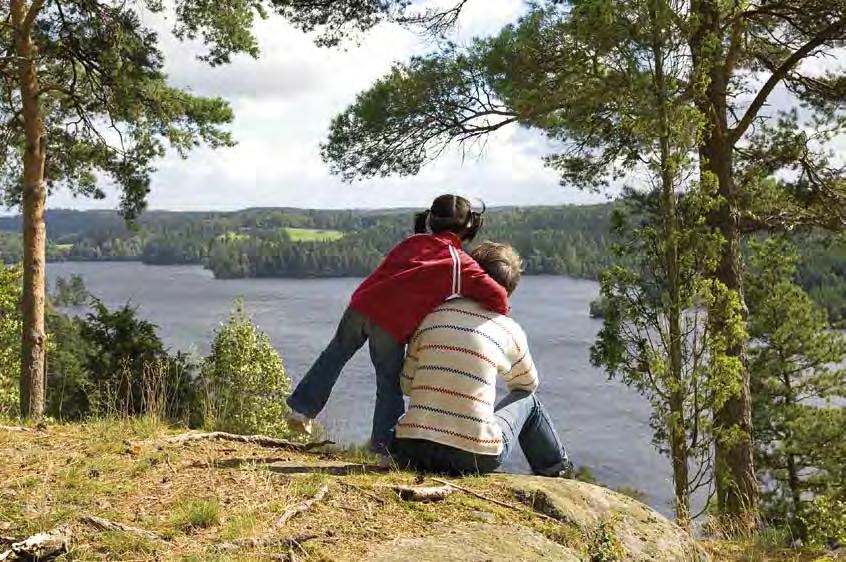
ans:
(521, 417)
(387, 355)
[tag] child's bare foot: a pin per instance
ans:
(299, 423)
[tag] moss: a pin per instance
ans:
(605, 546)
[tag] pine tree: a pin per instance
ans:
(798, 389)
(85, 95)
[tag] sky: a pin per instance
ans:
(283, 104)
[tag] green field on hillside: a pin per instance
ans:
(313, 235)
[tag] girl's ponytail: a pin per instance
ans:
(421, 222)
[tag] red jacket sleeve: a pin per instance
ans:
(480, 287)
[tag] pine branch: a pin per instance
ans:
(779, 74)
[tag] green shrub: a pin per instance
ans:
(70, 390)
(825, 522)
(131, 370)
(10, 339)
(243, 380)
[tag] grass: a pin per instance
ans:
(759, 551)
(203, 495)
(192, 514)
(313, 235)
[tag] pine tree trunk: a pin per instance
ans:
(737, 487)
(34, 339)
(793, 481)
(678, 436)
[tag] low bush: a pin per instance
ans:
(242, 382)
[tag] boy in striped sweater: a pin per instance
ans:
(450, 374)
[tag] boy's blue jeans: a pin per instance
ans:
(387, 355)
(522, 419)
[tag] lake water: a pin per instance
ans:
(603, 424)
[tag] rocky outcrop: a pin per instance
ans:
(474, 542)
(607, 519)
(600, 525)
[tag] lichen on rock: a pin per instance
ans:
(643, 534)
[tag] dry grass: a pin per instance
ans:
(726, 551)
(207, 493)
(201, 495)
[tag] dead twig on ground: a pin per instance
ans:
(259, 440)
(107, 525)
(303, 506)
(16, 428)
(262, 543)
(363, 492)
(421, 493)
(496, 501)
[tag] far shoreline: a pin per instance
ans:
(297, 277)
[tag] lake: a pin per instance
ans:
(603, 424)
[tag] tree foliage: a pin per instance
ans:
(107, 109)
(571, 81)
(86, 99)
(798, 387)
(130, 370)
(10, 338)
(243, 381)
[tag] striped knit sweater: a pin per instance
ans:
(450, 376)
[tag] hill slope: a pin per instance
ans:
(209, 500)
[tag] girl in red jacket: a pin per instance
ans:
(420, 273)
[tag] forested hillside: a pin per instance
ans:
(566, 240)
(309, 243)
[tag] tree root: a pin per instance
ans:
(258, 542)
(303, 506)
(16, 428)
(260, 440)
(496, 501)
(107, 525)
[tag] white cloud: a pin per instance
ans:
(283, 104)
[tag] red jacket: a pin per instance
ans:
(420, 273)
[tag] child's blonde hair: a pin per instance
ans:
(501, 262)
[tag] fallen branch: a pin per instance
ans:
(15, 428)
(421, 493)
(260, 440)
(264, 543)
(43, 545)
(496, 501)
(107, 525)
(302, 507)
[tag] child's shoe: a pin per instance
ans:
(299, 423)
(568, 471)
